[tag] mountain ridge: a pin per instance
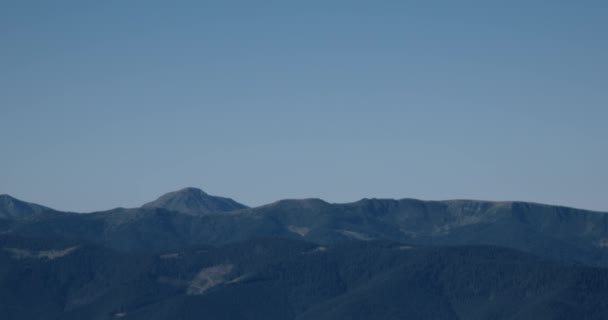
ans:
(13, 208)
(196, 192)
(556, 232)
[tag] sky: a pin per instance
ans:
(113, 103)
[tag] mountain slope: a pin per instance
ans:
(11, 208)
(283, 279)
(194, 201)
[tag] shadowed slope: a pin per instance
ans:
(286, 279)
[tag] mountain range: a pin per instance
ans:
(193, 217)
(192, 255)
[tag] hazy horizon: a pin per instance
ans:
(112, 104)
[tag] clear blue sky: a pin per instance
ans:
(111, 103)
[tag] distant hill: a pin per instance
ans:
(194, 201)
(288, 279)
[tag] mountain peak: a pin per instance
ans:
(194, 201)
(11, 207)
(192, 191)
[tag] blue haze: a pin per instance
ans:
(111, 103)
